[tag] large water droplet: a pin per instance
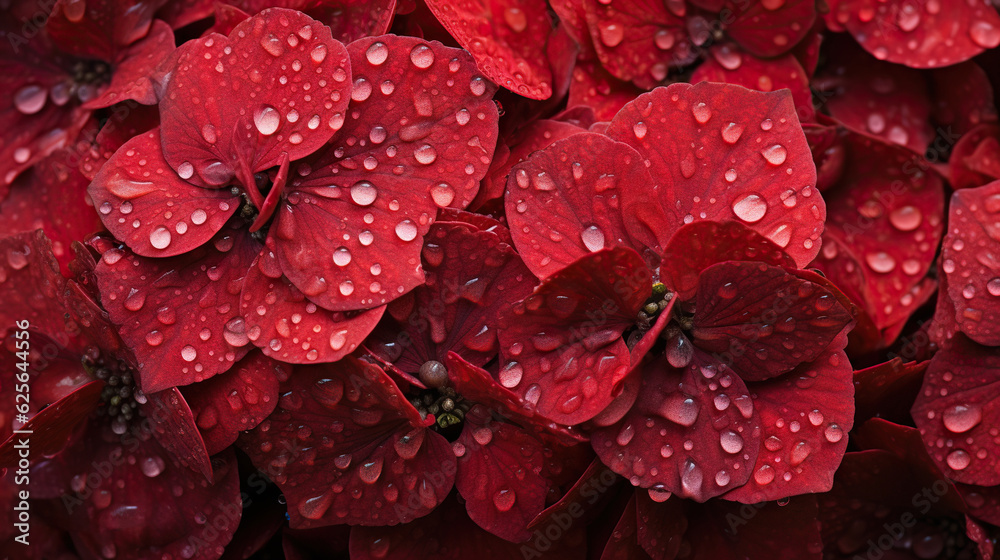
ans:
(958, 459)
(30, 99)
(962, 418)
(266, 119)
(984, 34)
(422, 56)
(363, 193)
(593, 238)
(406, 230)
(159, 238)
(750, 208)
(881, 262)
(611, 34)
(905, 218)
(504, 499)
(775, 155)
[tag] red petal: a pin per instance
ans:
(35, 124)
(728, 65)
(449, 533)
(637, 40)
(973, 281)
(963, 98)
(763, 321)
(345, 446)
(471, 276)
(772, 531)
(660, 527)
(516, 148)
(578, 196)
(700, 245)
(374, 191)
(622, 543)
(752, 138)
(890, 226)
(767, 31)
(693, 433)
(172, 423)
(31, 286)
(135, 72)
(931, 37)
(502, 36)
(181, 316)
(805, 416)
(886, 390)
(349, 20)
(289, 327)
(499, 475)
(156, 218)
(877, 99)
(147, 507)
(101, 29)
(120, 127)
(227, 404)
(956, 410)
(594, 87)
(50, 429)
(562, 345)
(53, 197)
(219, 106)
(975, 159)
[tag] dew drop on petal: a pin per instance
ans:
(958, 459)
(406, 230)
(159, 238)
(961, 418)
(266, 119)
(593, 238)
(750, 208)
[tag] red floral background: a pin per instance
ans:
(496, 279)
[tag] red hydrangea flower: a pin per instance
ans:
(88, 55)
(296, 258)
(390, 446)
(928, 35)
(124, 473)
(752, 396)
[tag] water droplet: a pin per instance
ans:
(731, 133)
(425, 154)
(750, 208)
(906, 218)
(833, 433)
(691, 478)
(266, 119)
(639, 129)
(442, 194)
(152, 466)
(984, 34)
(593, 238)
(406, 230)
(363, 193)
(516, 19)
(377, 53)
(422, 56)
(775, 155)
(962, 418)
(664, 40)
(159, 238)
(701, 112)
(189, 353)
(611, 34)
(504, 499)
(511, 375)
(30, 99)
(731, 442)
(958, 459)
(764, 475)
(880, 262)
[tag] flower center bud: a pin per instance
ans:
(447, 406)
(121, 397)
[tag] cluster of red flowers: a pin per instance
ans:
(442, 279)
